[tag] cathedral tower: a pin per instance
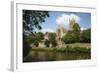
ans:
(71, 23)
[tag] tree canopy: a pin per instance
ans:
(52, 39)
(73, 35)
(32, 20)
(85, 36)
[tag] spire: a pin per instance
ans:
(71, 23)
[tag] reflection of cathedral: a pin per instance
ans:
(60, 32)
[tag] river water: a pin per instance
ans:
(38, 56)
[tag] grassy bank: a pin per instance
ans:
(65, 49)
(57, 54)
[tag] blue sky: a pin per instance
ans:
(56, 18)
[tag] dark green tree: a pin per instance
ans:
(47, 43)
(76, 31)
(31, 20)
(72, 36)
(85, 36)
(69, 37)
(52, 39)
(26, 46)
(36, 43)
(40, 36)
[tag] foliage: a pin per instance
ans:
(76, 32)
(31, 20)
(54, 43)
(75, 49)
(52, 39)
(69, 37)
(85, 36)
(36, 43)
(47, 43)
(73, 35)
(76, 27)
(26, 47)
(40, 36)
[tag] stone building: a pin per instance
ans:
(61, 31)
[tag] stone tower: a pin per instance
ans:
(59, 33)
(71, 23)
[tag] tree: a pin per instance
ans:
(76, 31)
(85, 36)
(36, 43)
(40, 36)
(47, 43)
(52, 39)
(73, 35)
(31, 20)
(26, 46)
(69, 37)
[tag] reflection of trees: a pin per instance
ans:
(31, 21)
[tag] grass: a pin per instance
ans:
(68, 52)
(65, 49)
(86, 45)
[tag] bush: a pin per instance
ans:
(82, 49)
(54, 43)
(69, 37)
(85, 36)
(47, 43)
(36, 43)
(52, 39)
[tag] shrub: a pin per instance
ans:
(47, 43)
(36, 43)
(54, 43)
(85, 36)
(68, 38)
(82, 49)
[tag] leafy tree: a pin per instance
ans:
(76, 27)
(52, 39)
(31, 38)
(36, 43)
(31, 20)
(40, 36)
(76, 31)
(69, 37)
(85, 36)
(26, 47)
(47, 43)
(73, 35)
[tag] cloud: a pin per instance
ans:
(46, 30)
(64, 19)
(83, 28)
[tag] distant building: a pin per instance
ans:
(71, 23)
(61, 31)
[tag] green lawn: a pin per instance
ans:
(87, 45)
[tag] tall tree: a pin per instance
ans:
(76, 31)
(31, 20)
(85, 36)
(72, 36)
(52, 39)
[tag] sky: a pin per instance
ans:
(62, 18)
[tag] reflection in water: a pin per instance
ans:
(36, 56)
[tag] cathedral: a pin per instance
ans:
(60, 32)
